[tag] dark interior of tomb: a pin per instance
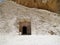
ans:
(24, 30)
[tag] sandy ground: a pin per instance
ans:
(29, 40)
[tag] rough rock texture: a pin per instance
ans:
(58, 2)
(50, 5)
(42, 21)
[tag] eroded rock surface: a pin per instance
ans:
(42, 21)
(50, 5)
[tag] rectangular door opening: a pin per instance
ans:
(25, 28)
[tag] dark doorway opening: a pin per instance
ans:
(24, 30)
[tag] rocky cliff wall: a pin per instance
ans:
(42, 21)
(50, 5)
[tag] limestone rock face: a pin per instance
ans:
(50, 5)
(42, 21)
